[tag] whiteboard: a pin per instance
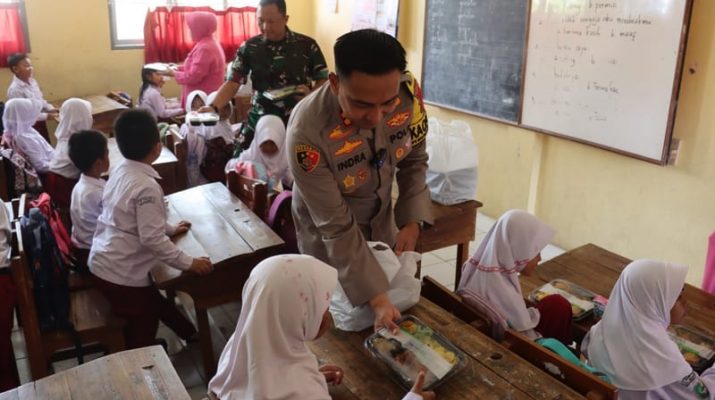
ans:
(605, 72)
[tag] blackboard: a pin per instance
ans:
(474, 56)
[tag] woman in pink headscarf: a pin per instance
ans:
(205, 66)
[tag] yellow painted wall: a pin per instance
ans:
(590, 195)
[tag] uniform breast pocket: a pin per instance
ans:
(351, 159)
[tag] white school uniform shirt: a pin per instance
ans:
(75, 115)
(5, 237)
(493, 270)
(18, 118)
(154, 102)
(20, 89)
(85, 209)
(131, 233)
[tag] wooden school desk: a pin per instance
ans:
(104, 112)
(492, 371)
(144, 373)
(231, 235)
(167, 165)
(598, 269)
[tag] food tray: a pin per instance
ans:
(196, 118)
(697, 348)
(416, 347)
(581, 299)
(282, 93)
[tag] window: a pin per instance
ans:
(126, 17)
(13, 34)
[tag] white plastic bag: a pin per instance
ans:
(452, 176)
(404, 289)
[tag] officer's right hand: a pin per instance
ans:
(385, 313)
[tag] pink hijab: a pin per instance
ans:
(201, 24)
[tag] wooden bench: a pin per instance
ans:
(140, 374)
(89, 313)
(453, 225)
(178, 146)
(253, 192)
(571, 375)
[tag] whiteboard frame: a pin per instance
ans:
(516, 123)
(670, 124)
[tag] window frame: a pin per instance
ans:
(130, 44)
(23, 20)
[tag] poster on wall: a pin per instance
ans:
(378, 14)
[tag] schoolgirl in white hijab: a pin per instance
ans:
(284, 305)
(274, 158)
(195, 143)
(18, 118)
(222, 129)
(75, 115)
(630, 343)
(512, 245)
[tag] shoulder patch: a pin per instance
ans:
(418, 125)
(307, 157)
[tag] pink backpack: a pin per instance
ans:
(280, 219)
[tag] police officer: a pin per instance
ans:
(348, 141)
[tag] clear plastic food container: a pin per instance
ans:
(581, 299)
(416, 347)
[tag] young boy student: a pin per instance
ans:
(24, 86)
(631, 343)
(284, 305)
(89, 153)
(513, 246)
(133, 235)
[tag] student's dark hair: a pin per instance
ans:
(15, 58)
(86, 147)
(281, 4)
(137, 133)
(146, 81)
(368, 51)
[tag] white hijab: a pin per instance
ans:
(269, 127)
(493, 271)
(75, 115)
(630, 344)
(190, 99)
(19, 117)
(222, 128)
(283, 304)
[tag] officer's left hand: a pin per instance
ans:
(406, 239)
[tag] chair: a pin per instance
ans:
(89, 313)
(178, 146)
(571, 375)
(253, 192)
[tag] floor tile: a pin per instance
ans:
(23, 370)
(430, 259)
(484, 222)
(443, 273)
(446, 253)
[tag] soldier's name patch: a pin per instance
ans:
(307, 157)
(348, 147)
(351, 162)
(398, 119)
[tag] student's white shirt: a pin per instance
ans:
(28, 90)
(131, 235)
(154, 102)
(691, 387)
(5, 237)
(35, 149)
(85, 209)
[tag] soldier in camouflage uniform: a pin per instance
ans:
(275, 59)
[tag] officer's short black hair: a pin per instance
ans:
(15, 58)
(281, 4)
(368, 51)
(137, 134)
(86, 147)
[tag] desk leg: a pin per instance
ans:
(207, 350)
(462, 255)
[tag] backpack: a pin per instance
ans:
(62, 239)
(280, 219)
(49, 276)
(21, 176)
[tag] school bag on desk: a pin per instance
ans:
(49, 276)
(452, 175)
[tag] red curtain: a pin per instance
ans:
(167, 37)
(12, 38)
